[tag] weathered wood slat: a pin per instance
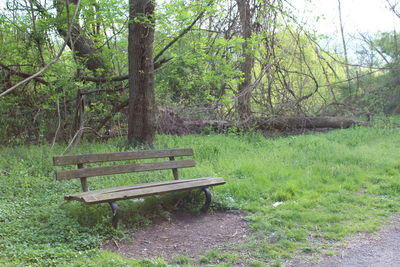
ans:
(117, 169)
(129, 187)
(117, 156)
(120, 193)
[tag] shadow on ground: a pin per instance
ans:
(185, 234)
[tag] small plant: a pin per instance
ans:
(181, 259)
(214, 256)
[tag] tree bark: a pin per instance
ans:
(177, 125)
(243, 99)
(171, 123)
(22, 74)
(141, 117)
(78, 41)
(288, 123)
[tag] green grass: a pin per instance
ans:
(331, 185)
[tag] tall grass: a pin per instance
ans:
(330, 185)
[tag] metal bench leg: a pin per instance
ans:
(114, 208)
(208, 199)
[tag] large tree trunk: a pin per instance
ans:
(243, 99)
(85, 49)
(141, 117)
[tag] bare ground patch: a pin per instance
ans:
(185, 234)
(380, 249)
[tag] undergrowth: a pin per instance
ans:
(330, 185)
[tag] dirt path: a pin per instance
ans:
(184, 234)
(381, 249)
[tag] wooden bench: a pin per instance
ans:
(112, 195)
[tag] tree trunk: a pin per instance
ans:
(141, 117)
(243, 99)
(344, 46)
(79, 42)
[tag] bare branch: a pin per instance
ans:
(393, 8)
(104, 79)
(186, 30)
(157, 65)
(370, 43)
(21, 74)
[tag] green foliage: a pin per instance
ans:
(292, 75)
(181, 260)
(380, 92)
(29, 40)
(331, 185)
(202, 65)
(215, 257)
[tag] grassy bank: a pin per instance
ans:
(330, 185)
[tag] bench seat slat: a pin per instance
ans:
(128, 187)
(117, 156)
(126, 168)
(142, 190)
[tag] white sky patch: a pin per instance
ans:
(358, 15)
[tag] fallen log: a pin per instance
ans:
(171, 123)
(290, 123)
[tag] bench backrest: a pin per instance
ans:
(83, 173)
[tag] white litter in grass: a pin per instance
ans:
(137, 200)
(276, 204)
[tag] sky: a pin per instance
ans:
(357, 15)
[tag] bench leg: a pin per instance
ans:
(208, 199)
(114, 208)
